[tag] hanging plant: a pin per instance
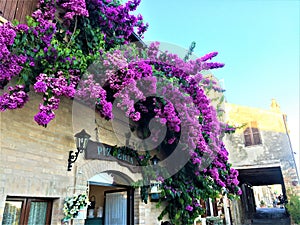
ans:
(73, 205)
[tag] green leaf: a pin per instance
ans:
(89, 44)
(177, 216)
(15, 22)
(25, 76)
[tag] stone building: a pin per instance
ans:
(34, 161)
(36, 176)
(261, 150)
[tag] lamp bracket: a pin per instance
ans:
(72, 158)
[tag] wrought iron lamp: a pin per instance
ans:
(82, 139)
(155, 160)
(155, 186)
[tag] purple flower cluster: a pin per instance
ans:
(73, 8)
(209, 83)
(208, 56)
(116, 19)
(7, 35)
(132, 81)
(209, 146)
(210, 126)
(45, 29)
(53, 87)
(44, 116)
(160, 179)
(91, 93)
(123, 82)
(48, 9)
(220, 170)
(228, 128)
(11, 64)
(113, 18)
(126, 98)
(209, 66)
(57, 84)
(15, 98)
(22, 28)
(67, 9)
(204, 131)
(167, 114)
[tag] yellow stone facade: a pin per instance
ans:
(269, 120)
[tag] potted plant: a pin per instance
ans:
(214, 220)
(262, 204)
(73, 205)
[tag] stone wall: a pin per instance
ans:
(33, 159)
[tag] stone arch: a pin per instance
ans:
(94, 167)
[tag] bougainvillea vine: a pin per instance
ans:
(53, 54)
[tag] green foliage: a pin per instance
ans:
(293, 207)
(185, 189)
(142, 161)
(75, 51)
(214, 220)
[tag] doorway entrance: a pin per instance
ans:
(112, 201)
(117, 207)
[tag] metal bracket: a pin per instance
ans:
(72, 158)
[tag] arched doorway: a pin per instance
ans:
(258, 185)
(112, 199)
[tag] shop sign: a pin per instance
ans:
(100, 151)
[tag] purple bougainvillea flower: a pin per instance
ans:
(189, 208)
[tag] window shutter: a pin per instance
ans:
(252, 135)
(247, 136)
(256, 138)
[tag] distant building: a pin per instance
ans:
(261, 150)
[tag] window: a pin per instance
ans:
(252, 135)
(30, 211)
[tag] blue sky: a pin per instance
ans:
(258, 40)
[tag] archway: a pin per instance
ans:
(111, 195)
(257, 182)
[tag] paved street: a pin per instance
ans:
(271, 216)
